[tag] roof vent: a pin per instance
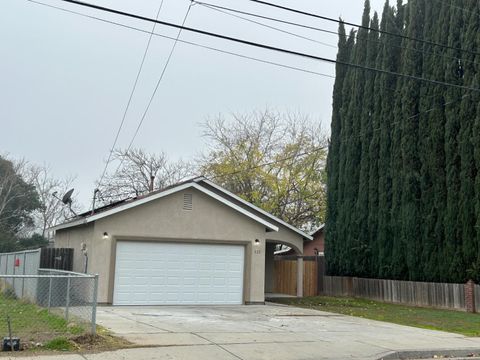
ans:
(187, 202)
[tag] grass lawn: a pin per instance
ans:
(42, 331)
(427, 318)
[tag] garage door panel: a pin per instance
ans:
(149, 273)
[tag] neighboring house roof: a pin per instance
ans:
(319, 229)
(195, 183)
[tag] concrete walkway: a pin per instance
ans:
(260, 333)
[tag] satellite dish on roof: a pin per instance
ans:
(67, 198)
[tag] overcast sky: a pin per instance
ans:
(65, 79)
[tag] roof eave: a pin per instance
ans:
(238, 198)
(146, 199)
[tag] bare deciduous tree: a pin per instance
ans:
(50, 189)
(140, 172)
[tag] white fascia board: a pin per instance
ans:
(163, 194)
(67, 225)
(291, 227)
(135, 203)
(235, 207)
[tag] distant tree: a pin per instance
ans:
(49, 188)
(274, 161)
(34, 241)
(18, 201)
(140, 172)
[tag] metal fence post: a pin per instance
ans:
(24, 265)
(94, 305)
(49, 294)
(67, 303)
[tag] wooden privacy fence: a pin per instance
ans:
(56, 258)
(285, 271)
(440, 295)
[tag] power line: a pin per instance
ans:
(200, 45)
(297, 11)
(268, 62)
(229, 11)
(218, 9)
(268, 47)
(112, 149)
(158, 83)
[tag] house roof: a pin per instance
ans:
(248, 210)
(253, 207)
(319, 229)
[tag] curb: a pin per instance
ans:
(473, 353)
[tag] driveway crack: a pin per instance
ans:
(220, 346)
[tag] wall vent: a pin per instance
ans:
(187, 202)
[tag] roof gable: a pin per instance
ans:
(253, 207)
(161, 194)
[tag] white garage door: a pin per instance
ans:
(156, 273)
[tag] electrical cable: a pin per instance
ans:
(301, 12)
(228, 10)
(269, 47)
(132, 92)
(268, 62)
(158, 83)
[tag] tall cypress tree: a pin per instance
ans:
(405, 166)
(453, 250)
(389, 60)
(365, 240)
(468, 171)
(353, 153)
(340, 255)
(398, 265)
(333, 159)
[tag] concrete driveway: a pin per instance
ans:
(263, 332)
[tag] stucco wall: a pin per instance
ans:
(165, 220)
(74, 239)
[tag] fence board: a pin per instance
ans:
(57, 258)
(440, 295)
(286, 277)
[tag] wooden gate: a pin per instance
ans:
(285, 274)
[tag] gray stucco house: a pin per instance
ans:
(192, 243)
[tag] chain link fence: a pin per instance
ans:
(39, 305)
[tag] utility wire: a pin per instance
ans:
(297, 11)
(202, 46)
(158, 83)
(269, 47)
(229, 11)
(219, 9)
(132, 92)
(285, 66)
